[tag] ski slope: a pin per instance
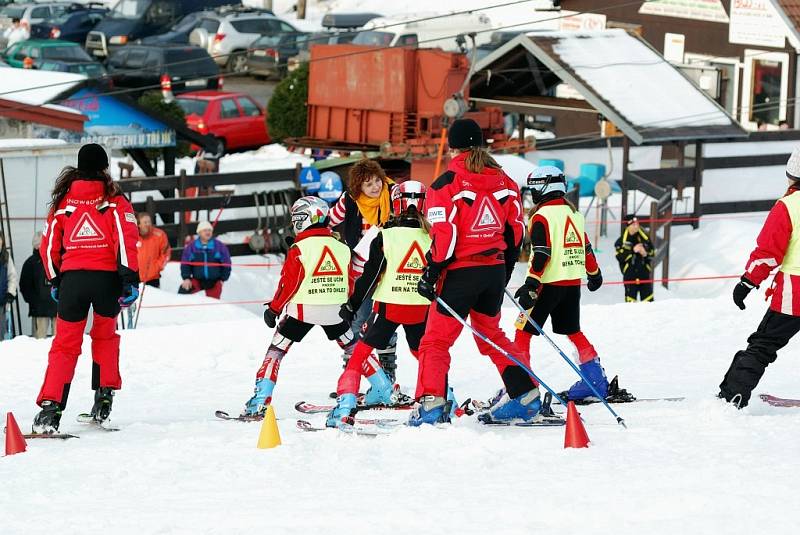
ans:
(695, 466)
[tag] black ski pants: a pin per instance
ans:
(748, 366)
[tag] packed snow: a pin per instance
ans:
(696, 466)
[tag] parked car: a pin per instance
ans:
(141, 66)
(303, 54)
(228, 33)
(29, 14)
(439, 32)
(72, 25)
(43, 49)
(347, 21)
(235, 119)
(268, 55)
(134, 19)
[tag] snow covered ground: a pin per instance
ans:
(691, 467)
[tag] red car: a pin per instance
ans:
(234, 118)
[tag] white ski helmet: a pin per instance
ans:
(546, 180)
(308, 211)
(409, 193)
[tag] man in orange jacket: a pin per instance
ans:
(154, 251)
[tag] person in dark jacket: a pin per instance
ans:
(205, 263)
(35, 290)
(635, 254)
(8, 283)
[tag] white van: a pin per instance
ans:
(436, 33)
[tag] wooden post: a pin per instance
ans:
(667, 236)
(150, 207)
(626, 148)
(297, 169)
(698, 183)
(301, 9)
(183, 230)
(521, 130)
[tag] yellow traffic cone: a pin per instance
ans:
(269, 436)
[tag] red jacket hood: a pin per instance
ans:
(86, 189)
(488, 179)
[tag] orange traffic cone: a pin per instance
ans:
(576, 436)
(15, 442)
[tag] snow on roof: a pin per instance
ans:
(631, 83)
(36, 87)
(22, 143)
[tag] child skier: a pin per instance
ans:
(89, 255)
(560, 256)
(778, 244)
(396, 261)
(314, 284)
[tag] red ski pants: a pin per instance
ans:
(79, 290)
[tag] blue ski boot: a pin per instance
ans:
(451, 399)
(506, 409)
(256, 406)
(593, 371)
(430, 410)
(343, 412)
(380, 391)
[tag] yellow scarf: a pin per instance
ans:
(375, 211)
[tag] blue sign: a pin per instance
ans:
(309, 179)
(115, 125)
(330, 187)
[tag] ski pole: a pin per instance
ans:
(536, 326)
(139, 308)
(506, 354)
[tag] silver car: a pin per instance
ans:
(228, 33)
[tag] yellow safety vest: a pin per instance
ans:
(567, 244)
(325, 261)
(404, 249)
(791, 260)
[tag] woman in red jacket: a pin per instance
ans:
(476, 229)
(89, 255)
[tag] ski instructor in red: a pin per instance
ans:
(476, 229)
(89, 255)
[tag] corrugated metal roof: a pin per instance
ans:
(618, 73)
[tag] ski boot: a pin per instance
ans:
(256, 406)
(381, 389)
(593, 371)
(525, 407)
(388, 359)
(48, 419)
(430, 410)
(344, 411)
(103, 399)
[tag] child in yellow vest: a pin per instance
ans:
(396, 261)
(314, 284)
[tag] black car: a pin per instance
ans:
(178, 34)
(73, 25)
(141, 66)
(131, 20)
(268, 55)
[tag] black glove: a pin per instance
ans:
(426, 287)
(270, 317)
(527, 294)
(741, 290)
(347, 312)
(595, 281)
(10, 297)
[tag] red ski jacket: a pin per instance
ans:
(293, 273)
(771, 248)
(88, 232)
(473, 216)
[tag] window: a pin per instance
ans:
(136, 59)
(192, 106)
(209, 25)
(228, 109)
(259, 26)
(161, 13)
(153, 59)
(374, 38)
(35, 54)
(249, 108)
(409, 40)
(286, 28)
(67, 53)
(21, 53)
(40, 13)
(765, 89)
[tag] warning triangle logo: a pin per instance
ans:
(86, 230)
(572, 238)
(487, 217)
(414, 260)
(327, 265)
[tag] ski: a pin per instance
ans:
(364, 427)
(225, 416)
(548, 421)
(311, 408)
(775, 401)
(88, 419)
(60, 436)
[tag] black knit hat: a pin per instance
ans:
(464, 134)
(92, 159)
